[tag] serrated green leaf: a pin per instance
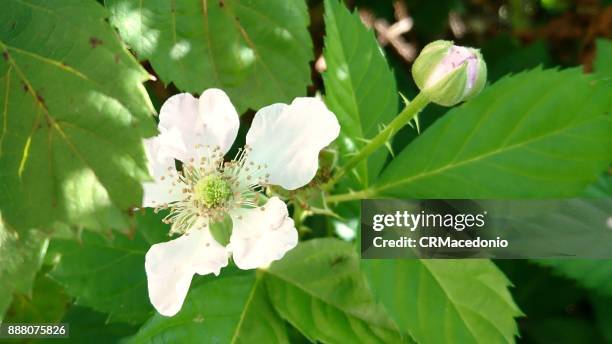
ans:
(441, 301)
(592, 274)
(319, 289)
(108, 275)
(20, 259)
(231, 309)
(359, 85)
(257, 51)
(74, 111)
(541, 133)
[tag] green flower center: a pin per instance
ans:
(213, 191)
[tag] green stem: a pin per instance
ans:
(403, 118)
(351, 196)
(298, 214)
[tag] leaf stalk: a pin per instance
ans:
(404, 117)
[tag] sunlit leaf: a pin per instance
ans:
(74, 112)
(224, 310)
(437, 301)
(257, 51)
(319, 289)
(20, 258)
(542, 133)
(359, 85)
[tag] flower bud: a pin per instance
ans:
(448, 73)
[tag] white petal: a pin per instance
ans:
(186, 123)
(262, 235)
(288, 138)
(171, 265)
(162, 170)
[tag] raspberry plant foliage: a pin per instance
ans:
(78, 80)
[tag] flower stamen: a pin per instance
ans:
(213, 187)
(213, 191)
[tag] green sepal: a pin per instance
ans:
(450, 90)
(222, 230)
(431, 55)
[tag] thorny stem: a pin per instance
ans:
(403, 118)
(351, 196)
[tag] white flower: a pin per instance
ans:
(282, 148)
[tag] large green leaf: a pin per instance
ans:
(592, 274)
(74, 111)
(20, 259)
(257, 51)
(231, 309)
(319, 289)
(541, 133)
(359, 85)
(109, 275)
(442, 301)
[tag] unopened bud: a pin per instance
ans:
(449, 74)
